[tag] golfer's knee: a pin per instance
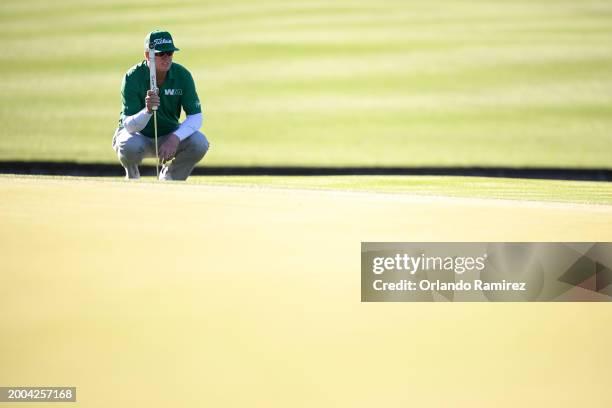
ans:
(198, 145)
(131, 151)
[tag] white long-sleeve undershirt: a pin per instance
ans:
(190, 125)
(138, 121)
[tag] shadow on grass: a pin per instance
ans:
(110, 170)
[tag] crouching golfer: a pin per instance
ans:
(181, 145)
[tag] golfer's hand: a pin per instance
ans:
(168, 149)
(151, 100)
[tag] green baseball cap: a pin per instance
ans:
(161, 40)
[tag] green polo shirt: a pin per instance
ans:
(178, 90)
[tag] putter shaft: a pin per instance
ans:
(156, 149)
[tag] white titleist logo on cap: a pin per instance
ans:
(159, 41)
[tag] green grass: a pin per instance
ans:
(324, 83)
(580, 192)
(469, 187)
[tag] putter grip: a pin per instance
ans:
(156, 91)
(152, 73)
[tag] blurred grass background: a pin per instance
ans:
(441, 83)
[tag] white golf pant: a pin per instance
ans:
(132, 148)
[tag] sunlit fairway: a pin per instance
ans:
(324, 83)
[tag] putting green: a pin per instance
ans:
(158, 295)
(585, 192)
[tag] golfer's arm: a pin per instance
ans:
(137, 122)
(190, 125)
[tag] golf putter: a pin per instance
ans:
(153, 87)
